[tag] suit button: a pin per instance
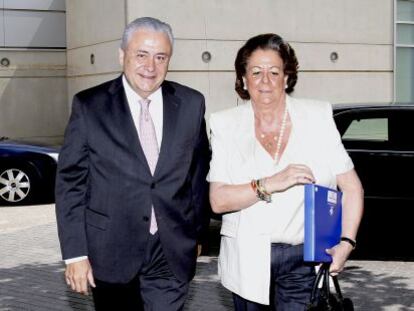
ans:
(152, 185)
(145, 218)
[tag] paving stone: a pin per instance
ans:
(31, 272)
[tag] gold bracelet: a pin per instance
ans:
(253, 184)
(261, 193)
(263, 183)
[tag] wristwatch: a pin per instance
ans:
(350, 241)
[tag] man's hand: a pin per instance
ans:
(78, 275)
(340, 254)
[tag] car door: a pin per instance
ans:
(367, 139)
(380, 144)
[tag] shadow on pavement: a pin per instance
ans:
(367, 289)
(376, 291)
(39, 287)
(206, 292)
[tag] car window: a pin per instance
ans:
(375, 129)
(365, 129)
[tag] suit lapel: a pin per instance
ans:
(171, 103)
(122, 118)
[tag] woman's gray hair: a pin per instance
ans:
(149, 23)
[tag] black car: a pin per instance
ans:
(378, 139)
(27, 172)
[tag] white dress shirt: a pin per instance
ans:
(155, 108)
(157, 114)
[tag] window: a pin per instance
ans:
(377, 129)
(404, 51)
(368, 130)
(32, 24)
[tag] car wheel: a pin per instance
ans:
(16, 186)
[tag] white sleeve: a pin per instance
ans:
(76, 259)
(219, 158)
(339, 160)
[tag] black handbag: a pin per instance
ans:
(322, 299)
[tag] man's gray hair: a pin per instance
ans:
(148, 23)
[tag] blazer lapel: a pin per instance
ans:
(122, 118)
(245, 133)
(170, 118)
(245, 142)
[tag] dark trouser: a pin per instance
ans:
(291, 281)
(154, 288)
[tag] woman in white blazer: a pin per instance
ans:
(263, 152)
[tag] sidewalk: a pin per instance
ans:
(31, 273)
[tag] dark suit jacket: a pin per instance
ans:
(105, 190)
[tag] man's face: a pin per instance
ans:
(145, 60)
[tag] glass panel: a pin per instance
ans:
(34, 29)
(404, 75)
(405, 10)
(368, 129)
(405, 34)
(1, 28)
(35, 4)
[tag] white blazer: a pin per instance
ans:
(244, 261)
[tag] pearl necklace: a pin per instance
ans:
(279, 139)
(282, 132)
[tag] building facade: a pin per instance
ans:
(345, 48)
(33, 85)
(349, 51)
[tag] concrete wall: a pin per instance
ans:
(33, 88)
(33, 95)
(360, 32)
(93, 27)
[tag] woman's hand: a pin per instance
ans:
(293, 174)
(340, 254)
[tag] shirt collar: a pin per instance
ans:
(133, 96)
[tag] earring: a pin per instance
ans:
(244, 84)
(286, 86)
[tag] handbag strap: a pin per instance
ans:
(324, 272)
(337, 288)
(326, 277)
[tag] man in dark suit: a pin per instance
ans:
(131, 194)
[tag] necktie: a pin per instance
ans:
(149, 144)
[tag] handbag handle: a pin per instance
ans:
(325, 290)
(337, 288)
(323, 272)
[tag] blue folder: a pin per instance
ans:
(323, 222)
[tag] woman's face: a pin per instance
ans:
(264, 79)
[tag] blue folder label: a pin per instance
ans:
(332, 197)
